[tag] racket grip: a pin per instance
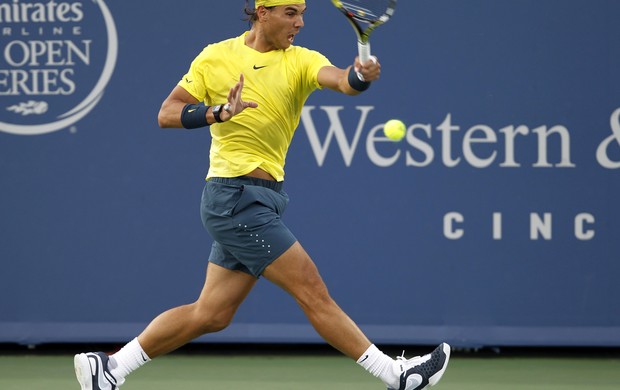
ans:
(363, 50)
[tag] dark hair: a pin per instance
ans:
(250, 12)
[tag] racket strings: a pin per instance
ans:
(368, 10)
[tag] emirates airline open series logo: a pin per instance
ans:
(56, 59)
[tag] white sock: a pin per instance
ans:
(380, 365)
(127, 360)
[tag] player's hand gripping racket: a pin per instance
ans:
(368, 13)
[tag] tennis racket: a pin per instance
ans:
(365, 13)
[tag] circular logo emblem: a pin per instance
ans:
(56, 59)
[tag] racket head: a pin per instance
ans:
(365, 16)
(370, 12)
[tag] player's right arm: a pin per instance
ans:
(339, 79)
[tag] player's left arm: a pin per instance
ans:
(341, 80)
(173, 108)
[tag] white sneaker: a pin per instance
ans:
(91, 370)
(425, 371)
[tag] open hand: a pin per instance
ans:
(235, 103)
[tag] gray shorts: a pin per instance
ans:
(243, 215)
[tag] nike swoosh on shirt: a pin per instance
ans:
(259, 67)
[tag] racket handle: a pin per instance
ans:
(363, 50)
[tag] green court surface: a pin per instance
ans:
(32, 371)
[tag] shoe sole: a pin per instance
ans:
(82, 371)
(432, 381)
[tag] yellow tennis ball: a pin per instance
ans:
(394, 129)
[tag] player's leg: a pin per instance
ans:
(222, 293)
(296, 273)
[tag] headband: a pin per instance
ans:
(273, 3)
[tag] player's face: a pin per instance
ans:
(283, 23)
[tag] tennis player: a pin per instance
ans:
(251, 90)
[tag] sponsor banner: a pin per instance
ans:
(58, 58)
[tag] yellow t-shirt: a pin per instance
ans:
(280, 81)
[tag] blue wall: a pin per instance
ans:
(495, 222)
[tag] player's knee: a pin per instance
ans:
(209, 321)
(313, 294)
(216, 324)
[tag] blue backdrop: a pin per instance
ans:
(494, 222)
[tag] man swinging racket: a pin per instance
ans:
(250, 90)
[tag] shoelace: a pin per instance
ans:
(421, 361)
(408, 363)
(402, 357)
